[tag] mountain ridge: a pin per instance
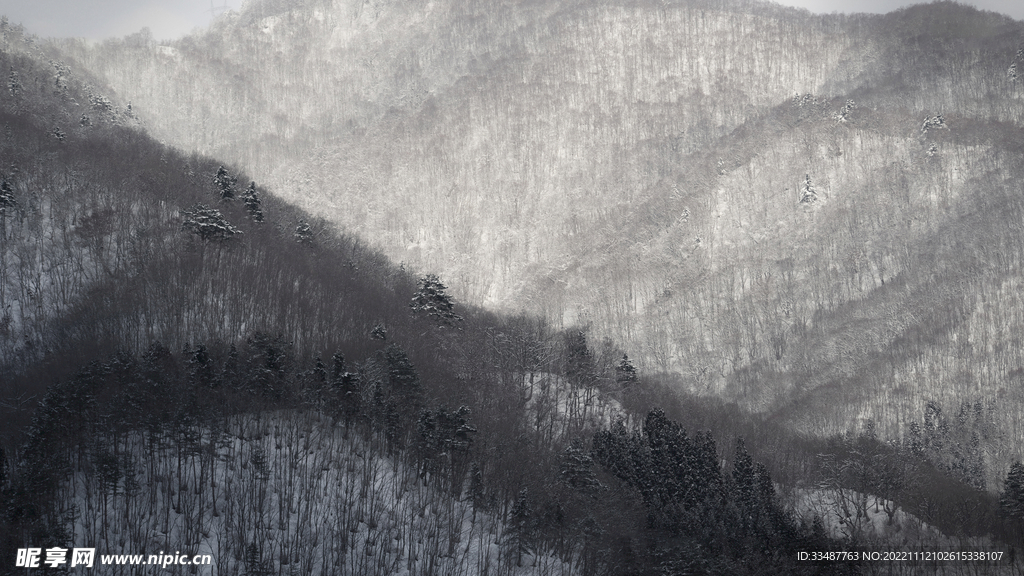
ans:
(639, 169)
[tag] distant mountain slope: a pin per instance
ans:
(490, 121)
(647, 171)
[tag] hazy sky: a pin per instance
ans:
(168, 19)
(98, 19)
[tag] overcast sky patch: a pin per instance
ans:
(99, 19)
(169, 19)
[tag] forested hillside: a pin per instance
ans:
(190, 364)
(817, 217)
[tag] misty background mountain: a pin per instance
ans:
(796, 226)
(644, 171)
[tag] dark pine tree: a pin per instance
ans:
(201, 368)
(319, 370)
(432, 299)
(6, 197)
(225, 184)
(520, 527)
(625, 372)
(476, 487)
(808, 195)
(230, 375)
(303, 233)
(744, 482)
(577, 470)
(405, 383)
(1011, 499)
(208, 224)
(579, 360)
(379, 332)
(252, 202)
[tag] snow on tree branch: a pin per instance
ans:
(208, 224)
(433, 300)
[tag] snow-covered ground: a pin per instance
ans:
(554, 406)
(849, 514)
(862, 520)
(282, 493)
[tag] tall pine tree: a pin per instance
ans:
(433, 300)
(1011, 499)
(252, 202)
(225, 184)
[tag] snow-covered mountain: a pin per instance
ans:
(814, 216)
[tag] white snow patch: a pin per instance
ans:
(849, 514)
(292, 489)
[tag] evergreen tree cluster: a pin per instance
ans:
(252, 202)
(180, 398)
(225, 184)
(1011, 499)
(303, 233)
(954, 444)
(432, 299)
(625, 372)
(208, 223)
(732, 517)
(561, 504)
(923, 478)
